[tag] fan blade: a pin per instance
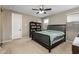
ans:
(41, 9)
(44, 12)
(37, 12)
(47, 9)
(34, 9)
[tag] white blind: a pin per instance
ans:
(73, 18)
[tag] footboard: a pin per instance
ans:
(42, 39)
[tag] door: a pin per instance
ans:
(16, 26)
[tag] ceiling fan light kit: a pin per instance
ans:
(41, 10)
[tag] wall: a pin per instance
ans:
(7, 24)
(61, 18)
(25, 22)
(0, 28)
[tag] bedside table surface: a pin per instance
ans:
(76, 41)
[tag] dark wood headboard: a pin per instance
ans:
(59, 27)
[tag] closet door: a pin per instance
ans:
(16, 26)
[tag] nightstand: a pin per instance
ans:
(75, 46)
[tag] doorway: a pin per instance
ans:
(16, 26)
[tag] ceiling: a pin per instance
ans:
(27, 9)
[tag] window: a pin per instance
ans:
(46, 21)
(73, 18)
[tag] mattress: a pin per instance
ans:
(54, 35)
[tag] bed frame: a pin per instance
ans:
(44, 40)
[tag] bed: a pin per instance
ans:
(50, 38)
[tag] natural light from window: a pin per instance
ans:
(73, 18)
(46, 21)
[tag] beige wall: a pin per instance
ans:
(7, 24)
(61, 18)
(57, 19)
(0, 28)
(25, 22)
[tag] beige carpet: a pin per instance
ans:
(24, 46)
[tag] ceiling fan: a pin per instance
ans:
(41, 10)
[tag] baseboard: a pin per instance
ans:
(6, 41)
(15, 39)
(69, 41)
